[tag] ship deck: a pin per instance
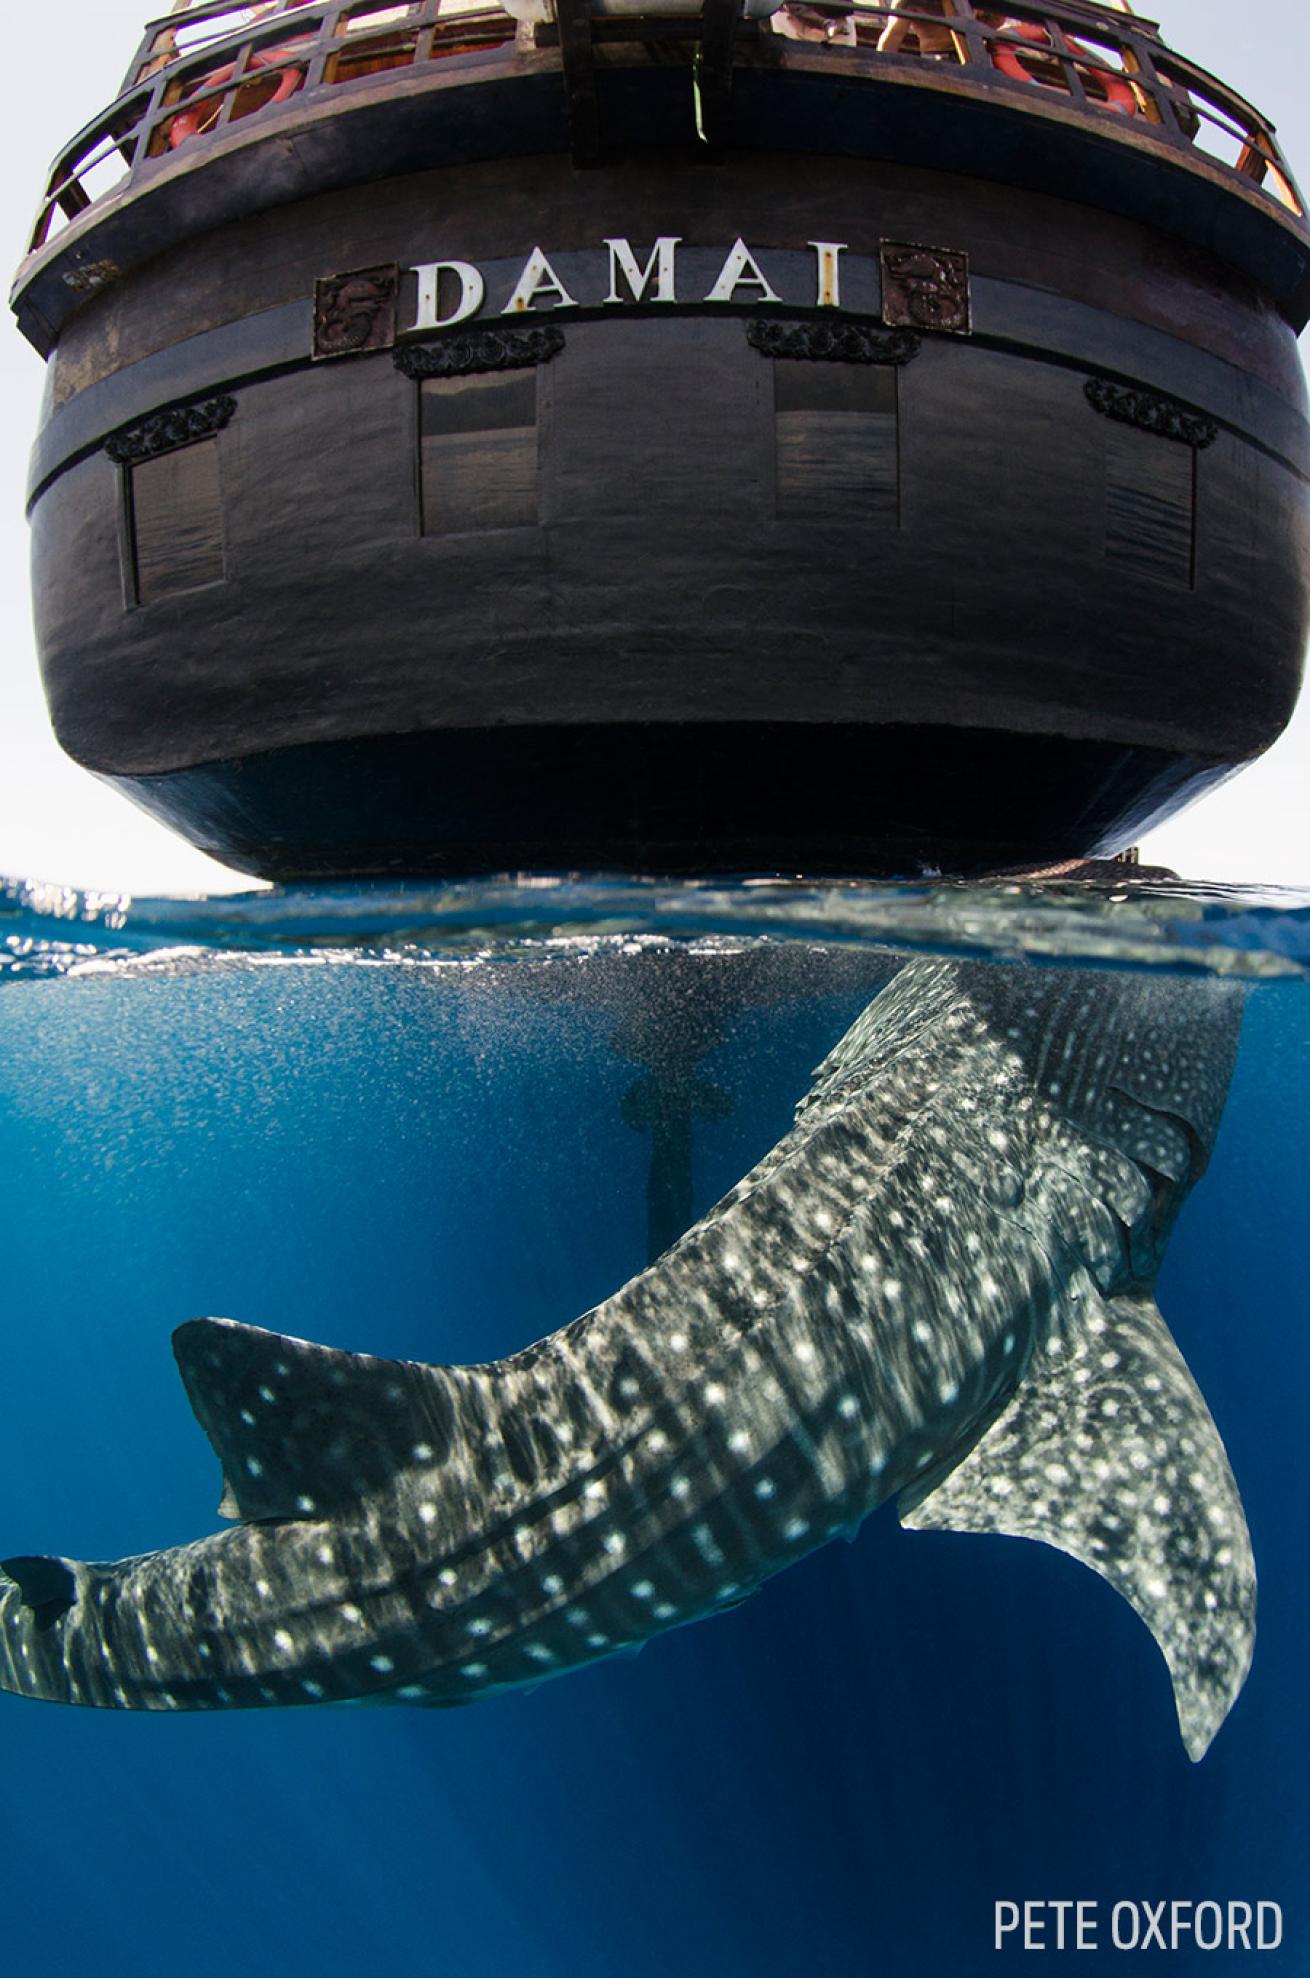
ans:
(229, 110)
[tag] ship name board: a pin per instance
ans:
(905, 284)
(451, 292)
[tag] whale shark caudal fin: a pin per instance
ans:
(303, 1430)
(1107, 1451)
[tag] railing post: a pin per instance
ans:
(316, 58)
(579, 59)
(427, 32)
(967, 30)
(714, 69)
(1068, 61)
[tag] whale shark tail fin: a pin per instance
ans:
(1108, 1452)
(303, 1430)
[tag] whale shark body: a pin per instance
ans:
(938, 1286)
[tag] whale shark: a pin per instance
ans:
(938, 1287)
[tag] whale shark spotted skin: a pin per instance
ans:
(938, 1285)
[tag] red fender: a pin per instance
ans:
(1009, 59)
(1119, 95)
(189, 122)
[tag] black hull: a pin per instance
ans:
(923, 486)
(671, 799)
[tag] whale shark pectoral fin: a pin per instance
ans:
(1108, 1452)
(304, 1431)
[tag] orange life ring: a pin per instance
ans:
(188, 123)
(1010, 60)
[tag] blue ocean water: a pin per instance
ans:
(395, 1121)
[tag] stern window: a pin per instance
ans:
(1150, 506)
(478, 445)
(836, 440)
(175, 523)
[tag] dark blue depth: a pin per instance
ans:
(835, 1781)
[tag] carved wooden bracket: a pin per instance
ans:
(164, 432)
(1150, 412)
(925, 288)
(356, 311)
(842, 342)
(479, 350)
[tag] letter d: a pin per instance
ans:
(1274, 1912)
(472, 293)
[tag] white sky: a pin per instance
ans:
(58, 823)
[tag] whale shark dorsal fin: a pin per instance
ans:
(1107, 1451)
(304, 1430)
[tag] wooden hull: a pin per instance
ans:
(672, 595)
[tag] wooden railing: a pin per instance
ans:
(208, 67)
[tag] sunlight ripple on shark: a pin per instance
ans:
(937, 1285)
